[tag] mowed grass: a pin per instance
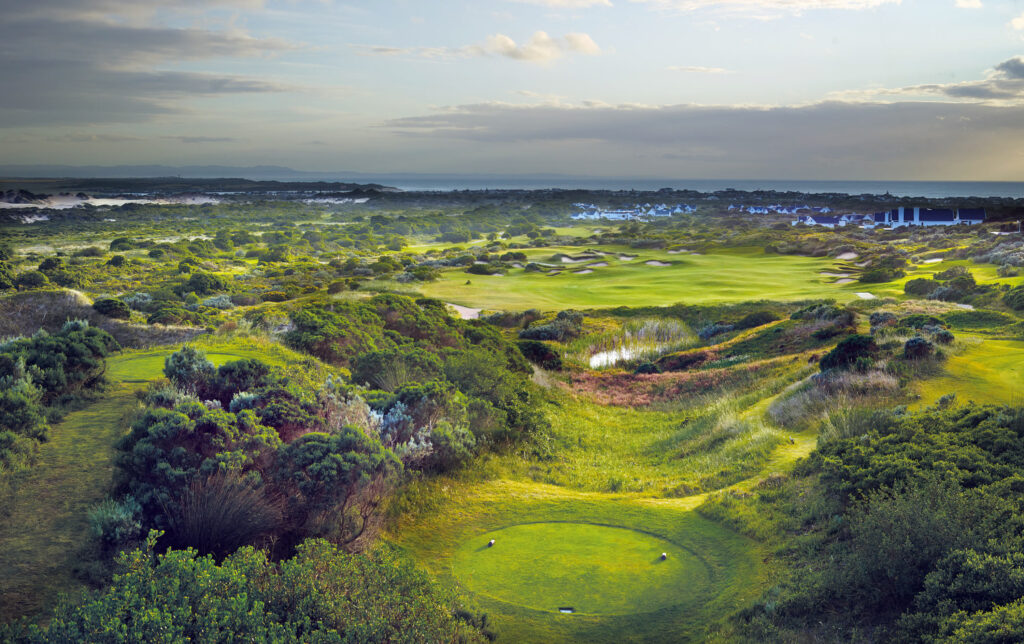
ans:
(44, 529)
(985, 370)
(732, 275)
(582, 524)
(714, 572)
(586, 568)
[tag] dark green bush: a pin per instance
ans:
(112, 308)
(543, 355)
(920, 287)
(849, 349)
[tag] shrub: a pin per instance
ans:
(117, 261)
(543, 355)
(30, 280)
(220, 513)
(112, 308)
(647, 368)
(878, 275)
(917, 348)
(920, 287)
(567, 325)
(759, 318)
(189, 370)
(944, 336)
(1015, 298)
(1005, 270)
(116, 523)
(322, 594)
(953, 273)
(845, 354)
(6, 276)
(273, 296)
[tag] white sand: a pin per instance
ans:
(626, 258)
(828, 274)
(966, 307)
(844, 281)
(465, 312)
(865, 296)
(846, 256)
(598, 265)
(654, 262)
(570, 260)
(935, 260)
(585, 271)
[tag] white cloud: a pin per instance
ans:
(540, 48)
(968, 4)
(763, 8)
(569, 4)
(1018, 22)
(697, 69)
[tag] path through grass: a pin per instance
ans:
(46, 528)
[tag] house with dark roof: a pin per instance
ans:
(971, 215)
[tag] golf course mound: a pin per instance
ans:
(580, 568)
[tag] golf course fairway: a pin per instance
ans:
(580, 568)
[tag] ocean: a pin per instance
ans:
(928, 189)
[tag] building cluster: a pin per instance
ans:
(778, 209)
(898, 217)
(635, 212)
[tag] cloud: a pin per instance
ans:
(540, 48)
(697, 69)
(1003, 84)
(99, 61)
(968, 4)
(1018, 22)
(568, 4)
(765, 8)
(201, 139)
(824, 139)
(93, 138)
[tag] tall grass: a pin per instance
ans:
(219, 514)
(636, 340)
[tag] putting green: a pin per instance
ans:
(590, 569)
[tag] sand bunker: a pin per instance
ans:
(554, 272)
(626, 258)
(844, 281)
(570, 260)
(679, 251)
(865, 296)
(654, 262)
(516, 265)
(465, 312)
(935, 260)
(599, 265)
(827, 274)
(585, 271)
(847, 256)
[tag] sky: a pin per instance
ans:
(697, 89)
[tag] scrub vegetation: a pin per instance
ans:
(264, 421)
